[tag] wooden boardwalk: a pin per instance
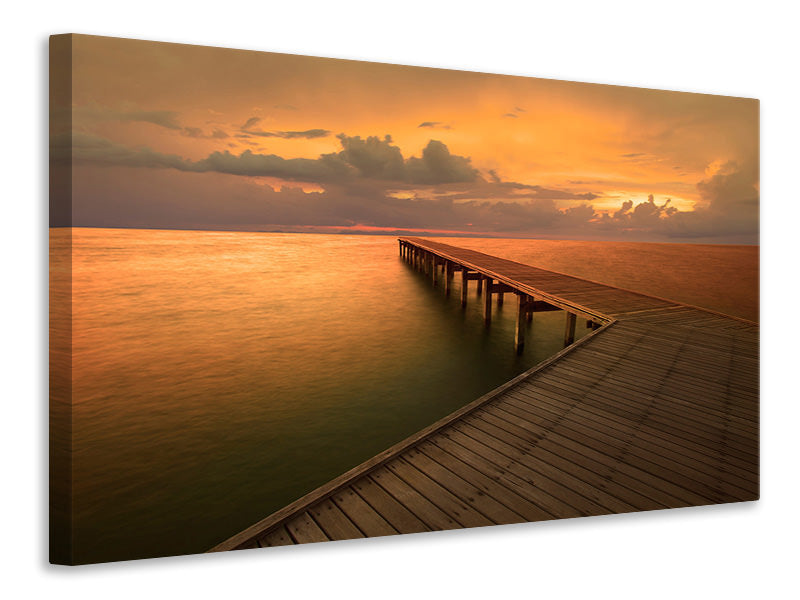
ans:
(656, 408)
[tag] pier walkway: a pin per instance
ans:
(657, 407)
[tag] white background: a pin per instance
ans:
(734, 48)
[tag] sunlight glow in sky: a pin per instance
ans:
(173, 136)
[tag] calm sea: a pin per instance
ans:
(219, 376)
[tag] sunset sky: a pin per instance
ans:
(177, 136)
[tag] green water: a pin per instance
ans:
(219, 376)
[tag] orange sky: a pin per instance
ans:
(568, 154)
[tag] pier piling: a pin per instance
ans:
(569, 332)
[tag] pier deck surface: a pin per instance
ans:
(658, 408)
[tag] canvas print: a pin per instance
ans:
(298, 299)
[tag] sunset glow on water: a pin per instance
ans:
(218, 376)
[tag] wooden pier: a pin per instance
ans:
(657, 407)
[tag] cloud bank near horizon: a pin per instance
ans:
(369, 183)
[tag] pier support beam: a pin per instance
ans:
(448, 277)
(569, 332)
(433, 269)
(519, 336)
(464, 287)
(500, 298)
(487, 301)
(480, 285)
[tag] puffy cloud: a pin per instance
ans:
(437, 165)
(645, 216)
(731, 197)
(371, 158)
(369, 181)
(732, 187)
(252, 164)
(729, 213)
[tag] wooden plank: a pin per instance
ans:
(592, 442)
(604, 463)
(608, 438)
(397, 515)
(679, 443)
(619, 401)
(431, 515)
(304, 530)
(498, 468)
(438, 495)
(620, 408)
(362, 514)
(278, 537)
(462, 488)
(583, 468)
(546, 479)
(486, 485)
(334, 522)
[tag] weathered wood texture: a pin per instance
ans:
(658, 408)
